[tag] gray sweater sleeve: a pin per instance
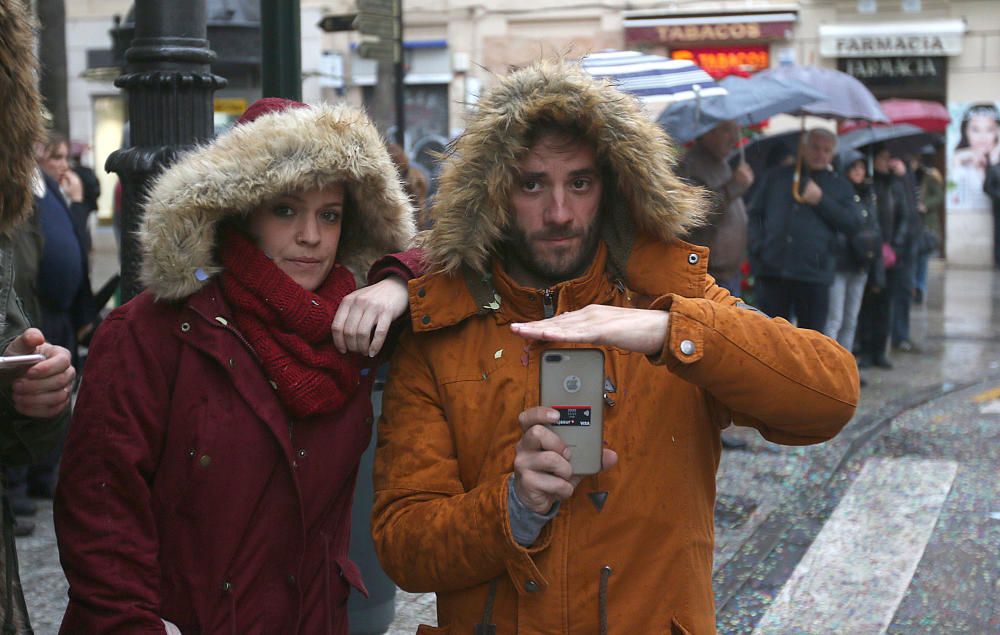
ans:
(525, 524)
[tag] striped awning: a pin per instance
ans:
(653, 78)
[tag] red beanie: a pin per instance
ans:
(267, 105)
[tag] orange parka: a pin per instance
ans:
(642, 563)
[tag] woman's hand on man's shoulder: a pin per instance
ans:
(362, 322)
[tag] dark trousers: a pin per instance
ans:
(873, 324)
(996, 234)
(809, 302)
(899, 281)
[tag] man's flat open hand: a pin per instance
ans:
(638, 330)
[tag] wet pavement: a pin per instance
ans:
(917, 466)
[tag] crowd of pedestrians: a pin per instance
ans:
(832, 244)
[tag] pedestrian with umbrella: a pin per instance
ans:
(847, 98)
(858, 256)
(894, 216)
(725, 229)
(930, 205)
(791, 238)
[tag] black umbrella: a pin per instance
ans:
(900, 139)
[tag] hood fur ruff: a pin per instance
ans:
(277, 153)
(471, 213)
(21, 112)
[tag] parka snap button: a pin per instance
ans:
(688, 347)
(291, 580)
(531, 586)
(185, 327)
(426, 319)
(191, 453)
(205, 460)
(421, 293)
(693, 259)
(302, 453)
(232, 363)
(227, 586)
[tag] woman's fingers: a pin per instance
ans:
(381, 332)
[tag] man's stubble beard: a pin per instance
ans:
(519, 249)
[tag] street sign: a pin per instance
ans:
(381, 50)
(382, 27)
(379, 7)
(335, 23)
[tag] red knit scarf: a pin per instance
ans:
(289, 327)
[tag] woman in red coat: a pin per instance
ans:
(207, 480)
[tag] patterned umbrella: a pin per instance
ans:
(655, 79)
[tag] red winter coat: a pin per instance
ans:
(185, 480)
(186, 493)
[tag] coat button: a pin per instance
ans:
(426, 319)
(205, 460)
(531, 586)
(291, 580)
(232, 363)
(688, 347)
(693, 259)
(185, 327)
(227, 586)
(421, 293)
(191, 453)
(302, 453)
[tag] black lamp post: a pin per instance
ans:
(169, 85)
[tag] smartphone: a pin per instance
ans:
(11, 362)
(572, 382)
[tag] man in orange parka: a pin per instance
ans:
(560, 200)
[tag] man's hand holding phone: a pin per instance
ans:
(542, 473)
(42, 390)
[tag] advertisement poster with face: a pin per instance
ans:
(973, 144)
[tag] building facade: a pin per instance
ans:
(940, 50)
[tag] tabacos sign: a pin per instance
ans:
(684, 34)
(709, 32)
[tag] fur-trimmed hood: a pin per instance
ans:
(471, 213)
(255, 162)
(21, 113)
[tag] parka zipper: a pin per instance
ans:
(548, 303)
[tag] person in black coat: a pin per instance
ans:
(65, 299)
(791, 243)
(858, 257)
(894, 220)
(991, 185)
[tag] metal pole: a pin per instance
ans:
(400, 72)
(169, 85)
(281, 49)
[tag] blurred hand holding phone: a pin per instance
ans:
(16, 364)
